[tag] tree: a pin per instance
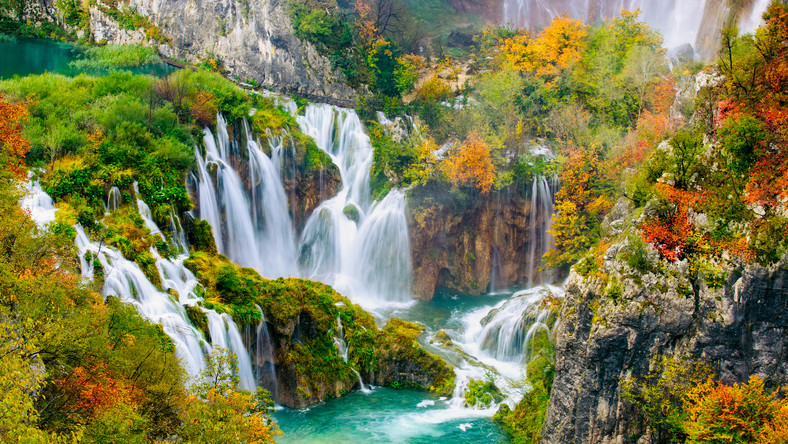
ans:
(470, 163)
(557, 48)
(643, 65)
(218, 412)
(13, 146)
(739, 413)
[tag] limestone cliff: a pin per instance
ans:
(253, 38)
(617, 321)
(473, 245)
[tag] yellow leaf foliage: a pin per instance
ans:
(471, 164)
(557, 48)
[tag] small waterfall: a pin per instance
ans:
(341, 345)
(38, 204)
(114, 199)
(508, 328)
(541, 211)
(225, 334)
(339, 341)
(265, 365)
(145, 212)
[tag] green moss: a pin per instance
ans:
(199, 319)
(482, 393)
(200, 236)
(351, 211)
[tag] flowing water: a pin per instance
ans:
(241, 194)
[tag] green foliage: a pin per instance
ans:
(482, 393)
(659, 395)
(742, 138)
(524, 423)
(390, 162)
(117, 56)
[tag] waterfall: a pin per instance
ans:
(265, 365)
(358, 246)
(125, 280)
(248, 214)
(341, 345)
(368, 259)
(225, 334)
(114, 199)
(508, 328)
(680, 22)
(541, 211)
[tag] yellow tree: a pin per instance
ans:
(557, 48)
(471, 164)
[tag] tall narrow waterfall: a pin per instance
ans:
(248, 213)
(359, 247)
(541, 212)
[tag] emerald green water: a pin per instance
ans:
(401, 416)
(24, 57)
(384, 416)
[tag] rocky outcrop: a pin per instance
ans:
(253, 39)
(474, 245)
(617, 321)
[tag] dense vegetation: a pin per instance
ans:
(78, 367)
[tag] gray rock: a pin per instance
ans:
(254, 40)
(738, 329)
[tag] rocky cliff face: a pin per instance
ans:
(253, 38)
(617, 321)
(473, 245)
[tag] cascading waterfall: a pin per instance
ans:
(368, 260)
(679, 21)
(342, 349)
(359, 247)
(114, 199)
(248, 214)
(508, 328)
(265, 366)
(125, 280)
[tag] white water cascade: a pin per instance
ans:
(366, 257)
(541, 210)
(125, 280)
(265, 366)
(507, 329)
(342, 349)
(248, 214)
(680, 21)
(368, 260)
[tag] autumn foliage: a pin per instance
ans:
(14, 146)
(557, 48)
(672, 232)
(739, 413)
(470, 163)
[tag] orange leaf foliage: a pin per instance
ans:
(673, 234)
(13, 144)
(94, 390)
(471, 163)
(737, 413)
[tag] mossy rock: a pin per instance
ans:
(482, 393)
(404, 363)
(443, 339)
(199, 319)
(352, 213)
(199, 233)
